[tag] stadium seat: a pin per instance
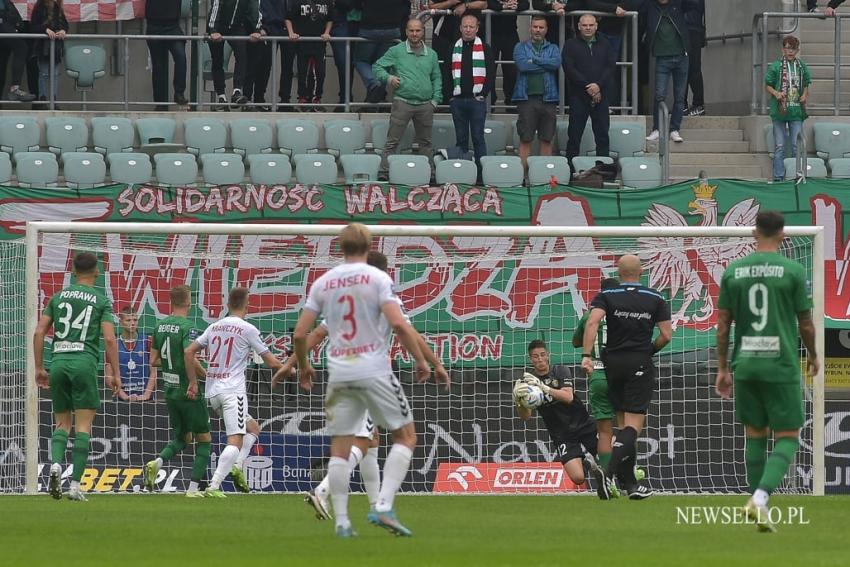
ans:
(360, 168)
(501, 171)
(66, 134)
(541, 169)
(768, 139)
(345, 137)
(176, 169)
(457, 171)
(85, 64)
(640, 172)
(832, 139)
(130, 168)
(588, 142)
(83, 169)
(19, 134)
(5, 167)
(583, 163)
(250, 136)
(443, 135)
(380, 127)
(839, 168)
(815, 168)
(112, 134)
(156, 131)
(269, 169)
(626, 139)
(315, 169)
(36, 169)
(496, 136)
(409, 170)
(295, 136)
(205, 135)
(222, 169)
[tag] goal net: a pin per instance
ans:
(479, 295)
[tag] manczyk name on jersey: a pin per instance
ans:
(234, 329)
(77, 294)
(761, 271)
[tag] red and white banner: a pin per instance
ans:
(469, 478)
(92, 10)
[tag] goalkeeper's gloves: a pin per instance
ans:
(533, 380)
(521, 390)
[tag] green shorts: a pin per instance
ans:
(73, 384)
(767, 404)
(600, 403)
(188, 416)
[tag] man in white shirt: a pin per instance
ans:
(355, 297)
(229, 343)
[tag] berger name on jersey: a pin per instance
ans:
(759, 271)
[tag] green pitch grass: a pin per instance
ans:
(280, 530)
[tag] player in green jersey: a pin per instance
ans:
(760, 293)
(79, 314)
(189, 418)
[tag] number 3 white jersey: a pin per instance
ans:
(350, 297)
(229, 343)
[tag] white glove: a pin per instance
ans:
(533, 380)
(521, 390)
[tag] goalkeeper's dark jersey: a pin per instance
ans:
(564, 421)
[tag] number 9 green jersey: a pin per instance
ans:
(764, 292)
(77, 312)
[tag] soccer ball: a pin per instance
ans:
(533, 399)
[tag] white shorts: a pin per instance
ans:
(367, 427)
(233, 409)
(346, 405)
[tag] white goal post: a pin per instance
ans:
(481, 340)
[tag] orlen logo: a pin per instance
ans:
(528, 478)
(459, 475)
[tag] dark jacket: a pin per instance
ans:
(609, 26)
(382, 14)
(586, 63)
(273, 17)
(162, 10)
(490, 66)
(40, 21)
(653, 10)
(504, 25)
(835, 3)
(695, 15)
(228, 14)
(10, 18)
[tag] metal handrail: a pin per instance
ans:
(800, 159)
(744, 35)
(758, 99)
(664, 141)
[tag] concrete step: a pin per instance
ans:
(829, 60)
(697, 146)
(685, 178)
(711, 123)
(820, 74)
(810, 47)
(718, 159)
(732, 171)
(819, 25)
(713, 134)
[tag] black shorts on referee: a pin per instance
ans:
(631, 380)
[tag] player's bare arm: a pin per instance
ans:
(723, 384)
(107, 329)
(314, 339)
(306, 321)
(156, 359)
(189, 359)
(41, 376)
(441, 375)
(408, 337)
(807, 334)
(665, 335)
(590, 330)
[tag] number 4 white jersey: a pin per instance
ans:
(350, 297)
(229, 343)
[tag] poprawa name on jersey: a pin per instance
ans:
(77, 294)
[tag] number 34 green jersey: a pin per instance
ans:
(172, 335)
(764, 292)
(77, 312)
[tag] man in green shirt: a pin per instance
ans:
(787, 81)
(412, 72)
(760, 293)
(79, 314)
(189, 417)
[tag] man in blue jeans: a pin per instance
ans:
(379, 24)
(669, 43)
(473, 79)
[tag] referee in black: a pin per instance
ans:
(631, 313)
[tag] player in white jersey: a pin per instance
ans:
(364, 449)
(229, 343)
(354, 298)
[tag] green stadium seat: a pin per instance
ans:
(380, 127)
(131, 168)
(222, 169)
(443, 135)
(36, 169)
(839, 168)
(83, 169)
(360, 168)
(269, 169)
(66, 134)
(112, 134)
(315, 169)
(250, 136)
(541, 169)
(496, 136)
(626, 139)
(296, 136)
(85, 64)
(815, 168)
(460, 171)
(641, 172)
(345, 137)
(176, 169)
(832, 139)
(19, 134)
(5, 167)
(502, 171)
(409, 169)
(205, 135)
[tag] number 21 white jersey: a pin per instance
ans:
(350, 297)
(229, 343)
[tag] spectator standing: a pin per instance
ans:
(611, 29)
(379, 24)
(447, 32)
(473, 79)
(536, 92)
(11, 22)
(589, 62)
(48, 18)
(310, 18)
(260, 55)
(553, 22)
(812, 6)
(503, 39)
(787, 81)
(411, 71)
(232, 18)
(163, 18)
(695, 20)
(341, 27)
(138, 377)
(669, 44)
